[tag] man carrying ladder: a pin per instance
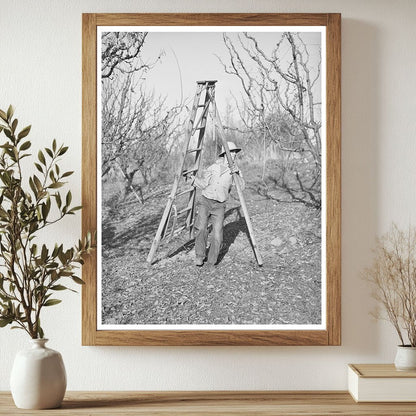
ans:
(215, 184)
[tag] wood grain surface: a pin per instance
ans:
(332, 334)
(333, 175)
(89, 173)
(212, 403)
(211, 19)
(380, 371)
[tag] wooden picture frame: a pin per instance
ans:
(331, 334)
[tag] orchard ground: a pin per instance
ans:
(285, 290)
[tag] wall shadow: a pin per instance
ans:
(361, 60)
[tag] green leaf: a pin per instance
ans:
(25, 145)
(62, 257)
(34, 249)
(77, 208)
(54, 145)
(5, 321)
(10, 112)
(40, 332)
(58, 199)
(3, 115)
(67, 174)
(14, 125)
(44, 253)
(60, 249)
(59, 287)
(8, 133)
(45, 211)
(6, 145)
(24, 132)
(68, 199)
(76, 279)
(63, 150)
(49, 152)
(56, 185)
(55, 251)
(33, 187)
(41, 157)
(51, 302)
(37, 183)
(39, 167)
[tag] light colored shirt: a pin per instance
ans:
(216, 181)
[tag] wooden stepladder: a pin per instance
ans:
(197, 124)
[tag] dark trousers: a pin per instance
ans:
(213, 210)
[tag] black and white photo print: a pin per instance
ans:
(210, 174)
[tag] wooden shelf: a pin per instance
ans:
(221, 403)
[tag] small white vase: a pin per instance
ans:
(38, 377)
(405, 358)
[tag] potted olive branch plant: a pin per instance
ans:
(393, 278)
(31, 272)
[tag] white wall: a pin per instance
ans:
(40, 73)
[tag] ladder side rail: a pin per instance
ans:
(239, 191)
(209, 99)
(191, 221)
(171, 198)
(166, 225)
(175, 219)
(202, 116)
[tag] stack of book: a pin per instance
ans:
(381, 383)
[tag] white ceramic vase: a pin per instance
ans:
(38, 378)
(405, 358)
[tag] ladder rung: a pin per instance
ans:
(201, 105)
(185, 172)
(186, 191)
(178, 230)
(183, 227)
(184, 210)
(172, 233)
(194, 150)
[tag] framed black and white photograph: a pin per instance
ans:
(211, 172)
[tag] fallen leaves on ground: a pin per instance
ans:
(285, 290)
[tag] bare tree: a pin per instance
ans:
(137, 132)
(393, 278)
(279, 109)
(120, 52)
(138, 129)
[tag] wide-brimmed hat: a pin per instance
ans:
(231, 146)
